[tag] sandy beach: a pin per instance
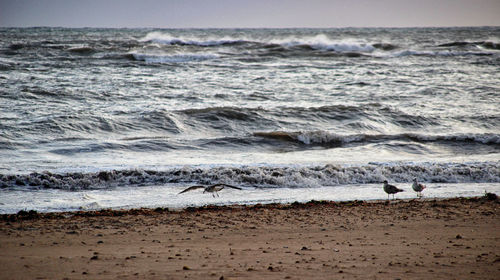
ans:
(403, 239)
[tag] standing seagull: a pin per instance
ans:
(211, 189)
(391, 189)
(418, 187)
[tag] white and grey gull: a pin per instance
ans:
(418, 187)
(214, 189)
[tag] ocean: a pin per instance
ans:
(127, 118)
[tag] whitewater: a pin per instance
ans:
(127, 118)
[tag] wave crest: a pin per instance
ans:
(318, 42)
(481, 44)
(264, 176)
(321, 44)
(324, 137)
(161, 38)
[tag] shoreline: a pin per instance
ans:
(34, 214)
(407, 239)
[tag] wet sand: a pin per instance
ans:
(407, 239)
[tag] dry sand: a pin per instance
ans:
(416, 239)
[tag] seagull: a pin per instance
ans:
(391, 189)
(418, 187)
(212, 188)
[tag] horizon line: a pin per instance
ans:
(297, 27)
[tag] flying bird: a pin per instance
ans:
(418, 187)
(214, 189)
(391, 189)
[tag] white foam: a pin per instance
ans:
(168, 196)
(322, 42)
(319, 137)
(91, 206)
(318, 42)
(323, 137)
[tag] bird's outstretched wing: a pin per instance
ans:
(192, 188)
(226, 185)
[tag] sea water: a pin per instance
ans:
(122, 118)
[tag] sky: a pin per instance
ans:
(248, 14)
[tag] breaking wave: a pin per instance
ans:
(324, 137)
(322, 43)
(263, 176)
(318, 42)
